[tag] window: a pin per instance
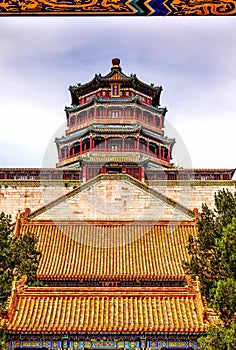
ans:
(216, 176)
(129, 112)
(23, 177)
(157, 121)
(115, 114)
(115, 90)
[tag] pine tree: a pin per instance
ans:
(18, 257)
(213, 259)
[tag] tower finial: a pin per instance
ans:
(116, 64)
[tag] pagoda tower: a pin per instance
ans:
(115, 125)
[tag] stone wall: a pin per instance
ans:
(18, 197)
(14, 198)
(194, 196)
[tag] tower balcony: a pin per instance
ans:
(116, 117)
(116, 155)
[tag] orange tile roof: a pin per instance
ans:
(110, 252)
(56, 310)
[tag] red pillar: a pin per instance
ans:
(161, 121)
(90, 143)
(159, 151)
(137, 143)
(60, 155)
(80, 148)
(68, 152)
(168, 157)
(142, 174)
(155, 151)
(84, 174)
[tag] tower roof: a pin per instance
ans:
(115, 75)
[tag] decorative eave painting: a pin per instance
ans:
(119, 7)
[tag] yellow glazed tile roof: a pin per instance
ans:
(111, 252)
(53, 310)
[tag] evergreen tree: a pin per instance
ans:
(6, 261)
(213, 259)
(18, 257)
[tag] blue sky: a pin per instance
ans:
(192, 58)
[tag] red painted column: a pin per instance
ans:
(168, 157)
(84, 174)
(68, 152)
(60, 155)
(155, 151)
(159, 151)
(137, 143)
(90, 143)
(161, 121)
(142, 174)
(80, 148)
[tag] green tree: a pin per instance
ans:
(18, 257)
(6, 261)
(213, 259)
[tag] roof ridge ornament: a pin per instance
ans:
(116, 64)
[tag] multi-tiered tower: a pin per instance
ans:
(115, 125)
